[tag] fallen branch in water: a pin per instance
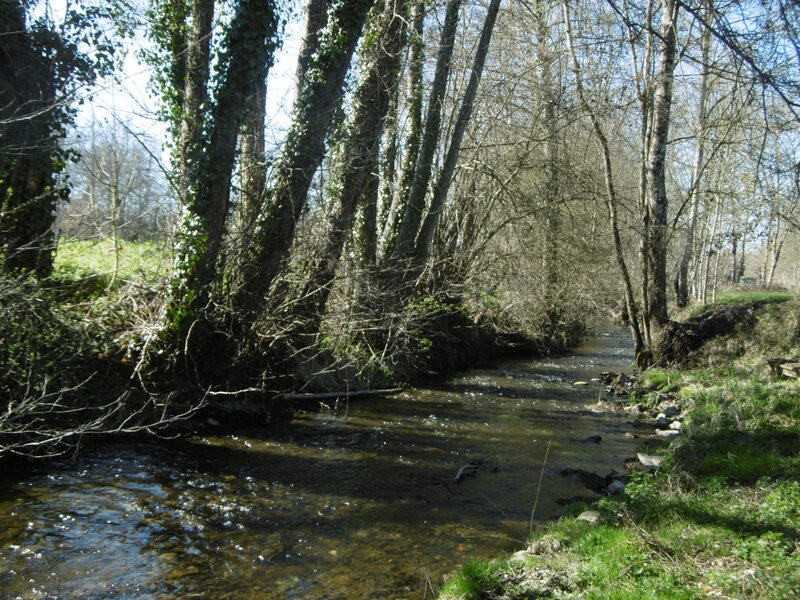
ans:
(346, 394)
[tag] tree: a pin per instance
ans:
(250, 41)
(117, 188)
(355, 159)
(302, 152)
(445, 178)
(612, 201)
(42, 65)
(415, 204)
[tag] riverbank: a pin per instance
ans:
(83, 360)
(719, 517)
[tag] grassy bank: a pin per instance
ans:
(720, 518)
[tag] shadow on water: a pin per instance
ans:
(356, 501)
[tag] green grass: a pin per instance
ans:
(745, 297)
(720, 519)
(147, 260)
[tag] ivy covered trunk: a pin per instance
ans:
(30, 157)
(356, 157)
(399, 199)
(249, 45)
(302, 152)
(415, 205)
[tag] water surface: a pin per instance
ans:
(354, 502)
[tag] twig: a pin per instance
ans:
(539, 487)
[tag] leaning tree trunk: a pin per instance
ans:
(316, 19)
(657, 203)
(253, 160)
(399, 199)
(412, 215)
(192, 92)
(302, 152)
(356, 157)
(442, 187)
(250, 44)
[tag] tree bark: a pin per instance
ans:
(399, 201)
(194, 91)
(356, 158)
(316, 19)
(425, 236)
(412, 216)
(253, 160)
(611, 193)
(657, 202)
(302, 152)
(250, 44)
(28, 113)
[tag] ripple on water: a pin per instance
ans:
(358, 502)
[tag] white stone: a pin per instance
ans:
(590, 516)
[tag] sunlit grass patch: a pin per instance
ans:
(145, 260)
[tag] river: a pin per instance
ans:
(357, 501)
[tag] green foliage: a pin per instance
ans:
(43, 345)
(139, 260)
(52, 61)
(477, 580)
(761, 297)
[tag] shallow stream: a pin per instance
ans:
(357, 501)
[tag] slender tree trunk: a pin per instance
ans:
(399, 201)
(776, 256)
(611, 199)
(356, 158)
(645, 95)
(440, 191)
(551, 192)
(250, 42)
(252, 159)
(316, 19)
(386, 201)
(682, 281)
(302, 152)
(194, 91)
(657, 192)
(412, 216)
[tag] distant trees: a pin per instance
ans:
(117, 188)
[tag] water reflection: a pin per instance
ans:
(358, 501)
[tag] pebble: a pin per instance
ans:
(667, 432)
(671, 411)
